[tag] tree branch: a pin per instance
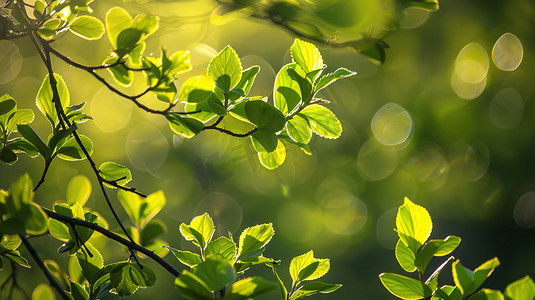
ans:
(41, 265)
(131, 245)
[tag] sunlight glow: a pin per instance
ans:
(376, 161)
(472, 63)
(10, 61)
(507, 52)
(391, 124)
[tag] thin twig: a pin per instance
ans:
(45, 171)
(41, 265)
(115, 237)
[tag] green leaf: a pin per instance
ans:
(45, 98)
(150, 207)
(10, 242)
(264, 115)
(405, 257)
(196, 89)
(283, 290)
(115, 172)
(192, 287)
(216, 106)
(272, 160)
(224, 247)
(87, 27)
(128, 40)
(180, 63)
(312, 288)
(413, 225)
(147, 24)
(202, 224)
(522, 289)
(19, 117)
(186, 127)
(36, 223)
(216, 272)
(90, 264)
(486, 294)
(43, 292)
(20, 145)
(120, 73)
(8, 156)
(264, 140)
(304, 85)
(32, 137)
(246, 82)
(78, 292)
(287, 93)
(151, 230)
(322, 121)
(306, 267)
(248, 288)
(253, 239)
(78, 190)
(326, 80)
(15, 257)
(225, 69)
(188, 258)
(306, 55)
(404, 287)
(7, 105)
(71, 150)
(117, 20)
(468, 281)
(126, 278)
(435, 248)
(299, 130)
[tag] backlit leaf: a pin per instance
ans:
(254, 238)
(225, 69)
(87, 27)
(413, 225)
(322, 121)
(404, 287)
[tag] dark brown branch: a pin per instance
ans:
(41, 265)
(223, 130)
(91, 70)
(129, 244)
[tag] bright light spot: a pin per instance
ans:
(472, 63)
(392, 124)
(224, 210)
(413, 17)
(376, 161)
(345, 215)
(146, 147)
(467, 90)
(263, 84)
(201, 55)
(299, 221)
(110, 112)
(506, 109)
(386, 236)
(524, 212)
(507, 52)
(429, 163)
(10, 61)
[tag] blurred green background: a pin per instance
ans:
(447, 121)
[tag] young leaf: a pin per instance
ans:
(253, 239)
(202, 224)
(147, 24)
(264, 115)
(21, 145)
(468, 281)
(196, 89)
(90, 264)
(150, 207)
(180, 63)
(87, 27)
(45, 98)
(120, 73)
(404, 287)
(326, 80)
(322, 121)
(248, 288)
(522, 289)
(186, 127)
(413, 225)
(486, 294)
(32, 137)
(225, 69)
(264, 140)
(7, 105)
(151, 230)
(216, 272)
(287, 93)
(128, 40)
(78, 190)
(304, 85)
(435, 248)
(306, 55)
(115, 172)
(274, 159)
(224, 247)
(405, 257)
(126, 278)
(71, 150)
(131, 204)
(192, 287)
(78, 292)
(306, 267)
(246, 82)
(283, 290)
(188, 258)
(312, 288)
(299, 130)
(117, 20)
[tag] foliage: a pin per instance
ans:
(414, 252)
